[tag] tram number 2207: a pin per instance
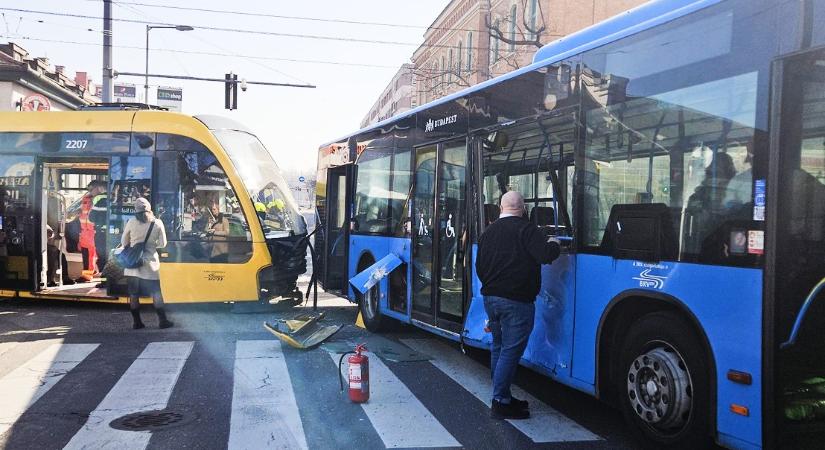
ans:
(76, 144)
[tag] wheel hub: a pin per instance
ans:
(659, 388)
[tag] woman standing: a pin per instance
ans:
(145, 280)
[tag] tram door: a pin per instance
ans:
(17, 223)
(440, 235)
(336, 223)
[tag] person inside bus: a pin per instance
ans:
(705, 207)
(145, 280)
(218, 232)
(510, 254)
(740, 189)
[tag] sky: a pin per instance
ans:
(291, 122)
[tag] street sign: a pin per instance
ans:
(170, 97)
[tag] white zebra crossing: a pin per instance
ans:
(23, 386)
(264, 411)
(145, 386)
(545, 423)
(398, 417)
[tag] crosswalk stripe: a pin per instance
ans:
(23, 386)
(145, 386)
(398, 417)
(545, 423)
(264, 411)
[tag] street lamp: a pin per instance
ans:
(149, 27)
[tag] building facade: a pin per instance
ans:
(397, 97)
(31, 84)
(474, 40)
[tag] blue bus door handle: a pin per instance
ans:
(369, 277)
(802, 312)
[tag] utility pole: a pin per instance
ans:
(107, 52)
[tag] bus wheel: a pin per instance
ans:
(369, 309)
(666, 389)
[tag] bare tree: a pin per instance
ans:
(520, 36)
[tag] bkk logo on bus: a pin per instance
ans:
(433, 124)
(646, 279)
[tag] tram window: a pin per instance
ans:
(200, 210)
(143, 144)
(178, 143)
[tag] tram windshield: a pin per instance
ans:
(262, 178)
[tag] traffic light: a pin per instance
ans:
(231, 91)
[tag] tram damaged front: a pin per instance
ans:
(284, 228)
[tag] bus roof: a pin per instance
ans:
(643, 17)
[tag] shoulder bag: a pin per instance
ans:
(132, 257)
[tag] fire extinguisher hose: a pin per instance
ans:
(340, 362)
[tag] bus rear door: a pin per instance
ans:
(440, 235)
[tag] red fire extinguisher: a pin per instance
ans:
(358, 374)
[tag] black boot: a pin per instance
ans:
(163, 322)
(136, 322)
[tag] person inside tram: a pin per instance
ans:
(87, 230)
(218, 231)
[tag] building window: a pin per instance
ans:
(458, 63)
(513, 11)
(443, 71)
(469, 52)
(533, 15)
(450, 74)
(494, 41)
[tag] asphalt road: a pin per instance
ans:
(219, 380)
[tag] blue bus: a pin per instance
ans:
(678, 150)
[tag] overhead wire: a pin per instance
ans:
(304, 18)
(246, 31)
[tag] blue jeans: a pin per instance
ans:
(511, 322)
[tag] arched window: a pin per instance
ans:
(450, 69)
(470, 52)
(458, 63)
(494, 43)
(533, 15)
(513, 11)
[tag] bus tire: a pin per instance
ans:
(368, 307)
(664, 383)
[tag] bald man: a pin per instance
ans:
(510, 254)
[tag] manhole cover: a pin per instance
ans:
(151, 420)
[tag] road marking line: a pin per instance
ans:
(398, 417)
(545, 423)
(23, 386)
(264, 410)
(145, 386)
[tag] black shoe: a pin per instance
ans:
(68, 281)
(519, 404)
(507, 411)
(136, 322)
(163, 322)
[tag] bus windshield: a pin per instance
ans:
(263, 181)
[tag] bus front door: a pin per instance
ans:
(333, 274)
(795, 271)
(440, 235)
